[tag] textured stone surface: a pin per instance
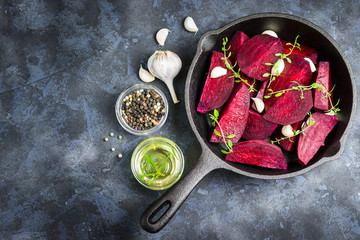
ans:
(62, 66)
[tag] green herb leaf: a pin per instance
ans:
(217, 133)
(266, 96)
(149, 160)
(268, 64)
(266, 75)
(216, 113)
(230, 144)
(225, 152)
(278, 94)
(231, 136)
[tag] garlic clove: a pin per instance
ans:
(218, 72)
(312, 65)
(190, 25)
(259, 104)
(145, 75)
(278, 67)
(161, 36)
(287, 131)
(271, 33)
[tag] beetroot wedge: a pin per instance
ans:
(257, 51)
(258, 152)
(257, 128)
(304, 51)
(298, 70)
(236, 41)
(291, 107)
(216, 91)
(321, 102)
(234, 116)
(314, 136)
(291, 143)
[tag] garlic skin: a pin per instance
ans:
(161, 36)
(190, 25)
(278, 67)
(145, 76)
(312, 65)
(287, 131)
(271, 33)
(218, 72)
(259, 104)
(165, 65)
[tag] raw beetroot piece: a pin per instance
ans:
(314, 136)
(305, 51)
(257, 51)
(257, 128)
(321, 102)
(286, 144)
(234, 116)
(290, 107)
(216, 91)
(298, 70)
(258, 152)
(236, 41)
(260, 93)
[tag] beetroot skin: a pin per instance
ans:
(290, 107)
(216, 91)
(286, 144)
(298, 70)
(305, 51)
(257, 51)
(234, 116)
(235, 43)
(321, 102)
(314, 136)
(257, 128)
(258, 152)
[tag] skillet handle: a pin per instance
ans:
(172, 199)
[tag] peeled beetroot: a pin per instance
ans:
(304, 51)
(314, 136)
(257, 127)
(298, 70)
(290, 143)
(290, 107)
(234, 116)
(258, 152)
(321, 102)
(236, 41)
(257, 51)
(216, 91)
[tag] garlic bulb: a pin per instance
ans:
(165, 65)
(190, 25)
(161, 36)
(218, 72)
(312, 65)
(259, 104)
(145, 75)
(270, 32)
(287, 131)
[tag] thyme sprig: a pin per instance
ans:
(236, 74)
(310, 122)
(319, 87)
(157, 171)
(228, 143)
(278, 66)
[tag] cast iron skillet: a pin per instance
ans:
(287, 27)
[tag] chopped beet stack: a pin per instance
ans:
(257, 128)
(234, 116)
(257, 51)
(258, 152)
(314, 136)
(321, 102)
(216, 90)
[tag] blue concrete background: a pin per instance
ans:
(62, 66)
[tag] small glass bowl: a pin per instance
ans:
(119, 103)
(156, 148)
